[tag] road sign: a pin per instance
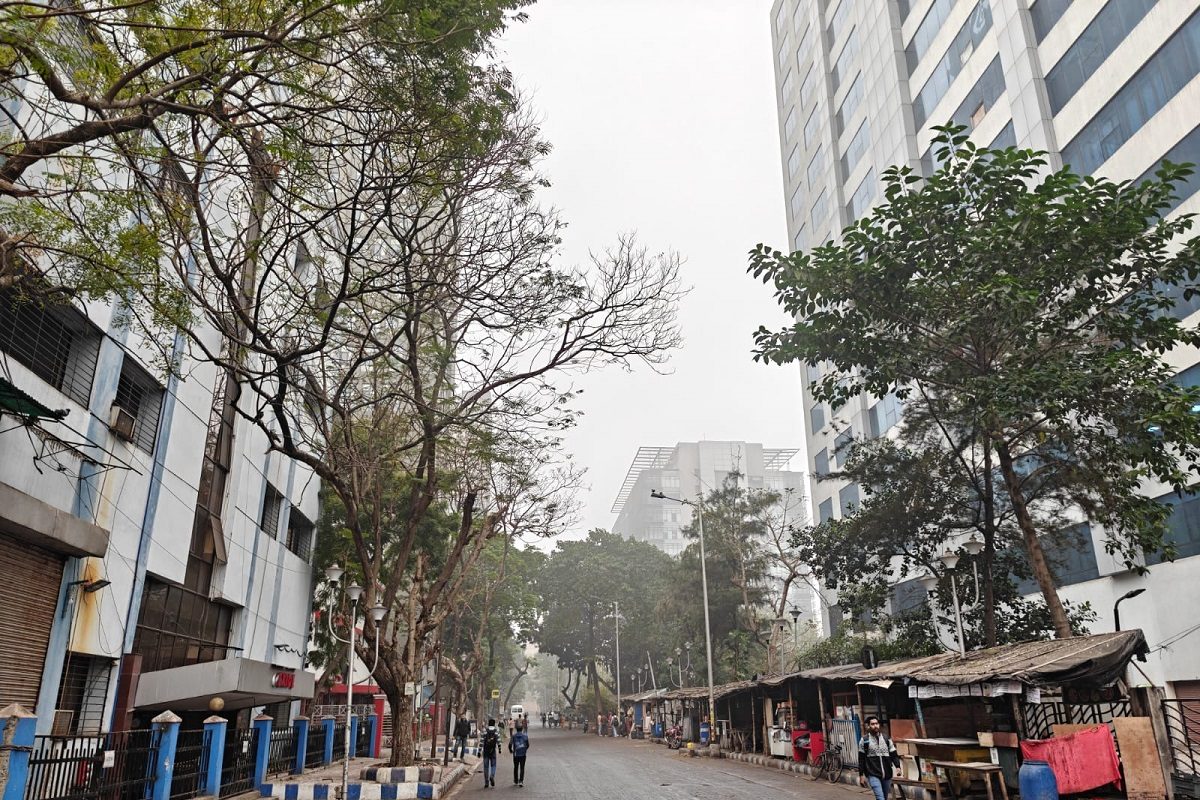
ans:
(495, 694)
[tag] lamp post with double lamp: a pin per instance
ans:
(712, 704)
(617, 620)
(354, 592)
(950, 560)
(1117, 605)
(795, 613)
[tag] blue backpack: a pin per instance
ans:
(520, 743)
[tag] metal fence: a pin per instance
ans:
(339, 741)
(111, 766)
(1040, 718)
(281, 753)
(191, 757)
(1183, 728)
(364, 738)
(237, 766)
(315, 753)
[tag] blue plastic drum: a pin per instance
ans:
(704, 734)
(1037, 781)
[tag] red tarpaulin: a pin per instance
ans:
(1080, 761)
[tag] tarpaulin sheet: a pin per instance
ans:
(1080, 761)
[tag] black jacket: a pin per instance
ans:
(462, 728)
(877, 766)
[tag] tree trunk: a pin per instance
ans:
(989, 546)
(1033, 547)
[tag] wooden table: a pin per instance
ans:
(984, 769)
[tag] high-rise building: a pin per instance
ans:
(1110, 88)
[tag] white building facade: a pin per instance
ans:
(128, 586)
(1110, 88)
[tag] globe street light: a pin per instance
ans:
(354, 592)
(712, 703)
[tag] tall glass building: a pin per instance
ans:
(1110, 88)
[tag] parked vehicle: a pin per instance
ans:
(674, 737)
(828, 765)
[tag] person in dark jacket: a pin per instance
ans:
(462, 729)
(518, 745)
(489, 744)
(876, 758)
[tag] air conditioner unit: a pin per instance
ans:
(122, 423)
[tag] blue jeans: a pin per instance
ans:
(460, 747)
(489, 768)
(882, 787)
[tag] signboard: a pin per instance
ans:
(410, 688)
(495, 694)
(110, 759)
(284, 680)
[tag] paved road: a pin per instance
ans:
(568, 765)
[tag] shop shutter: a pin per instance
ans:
(29, 597)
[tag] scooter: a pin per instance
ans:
(674, 737)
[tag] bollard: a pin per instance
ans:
(329, 724)
(214, 744)
(16, 744)
(262, 748)
(166, 733)
(301, 726)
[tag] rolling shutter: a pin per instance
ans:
(29, 596)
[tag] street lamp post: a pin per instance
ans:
(795, 612)
(950, 560)
(354, 592)
(1117, 605)
(617, 619)
(712, 704)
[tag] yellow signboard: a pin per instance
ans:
(495, 694)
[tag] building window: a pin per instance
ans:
(780, 17)
(816, 417)
(670, 481)
(800, 240)
(797, 203)
(821, 462)
(927, 31)
(848, 499)
(812, 126)
(1183, 526)
(983, 95)
(789, 125)
(804, 51)
(140, 396)
(81, 695)
(854, 151)
(1005, 138)
(812, 372)
(845, 61)
(1167, 71)
(806, 86)
(825, 510)
(816, 167)
(1093, 47)
(56, 343)
(820, 209)
(908, 597)
(840, 18)
(842, 446)
(177, 627)
(1187, 150)
(1071, 556)
(1045, 14)
(860, 202)
(969, 37)
(786, 90)
(884, 414)
(268, 520)
(782, 54)
(299, 534)
(794, 161)
(850, 104)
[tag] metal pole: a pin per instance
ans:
(650, 664)
(707, 627)
(349, 702)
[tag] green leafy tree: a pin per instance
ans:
(1036, 303)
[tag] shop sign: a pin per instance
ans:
(284, 680)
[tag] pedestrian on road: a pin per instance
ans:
(876, 758)
(518, 745)
(599, 724)
(543, 719)
(462, 729)
(614, 721)
(490, 744)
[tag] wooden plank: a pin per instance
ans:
(1139, 756)
(902, 729)
(1067, 730)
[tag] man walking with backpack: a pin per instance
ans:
(490, 744)
(518, 745)
(876, 758)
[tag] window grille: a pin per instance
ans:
(141, 396)
(299, 534)
(82, 693)
(269, 520)
(56, 342)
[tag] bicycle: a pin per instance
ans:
(829, 764)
